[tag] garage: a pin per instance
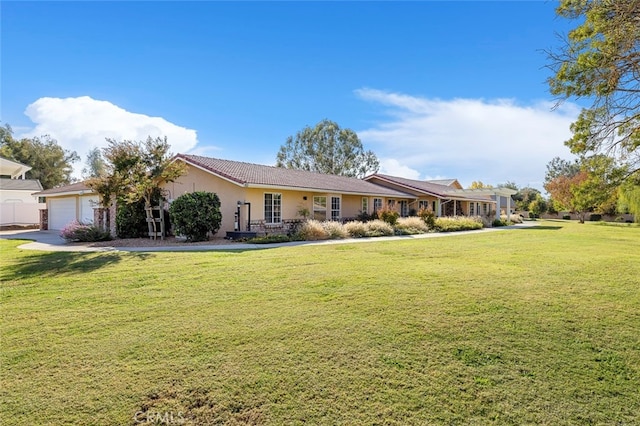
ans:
(61, 212)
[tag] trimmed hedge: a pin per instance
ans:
(196, 214)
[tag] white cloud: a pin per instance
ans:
(82, 123)
(468, 139)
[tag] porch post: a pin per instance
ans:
(438, 211)
(509, 208)
(497, 207)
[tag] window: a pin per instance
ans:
(472, 209)
(423, 204)
(365, 205)
(404, 208)
(377, 204)
(391, 203)
(335, 208)
(320, 208)
(485, 208)
(434, 206)
(272, 208)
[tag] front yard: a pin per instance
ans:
(530, 326)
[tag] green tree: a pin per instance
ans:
(326, 148)
(538, 205)
(592, 188)
(51, 164)
(136, 171)
(95, 165)
(524, 197)
(599, 60)
(629, 199)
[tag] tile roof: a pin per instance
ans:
(20, 184)
(446, 182)
(72, 188)
(430, 187)
(416, 185)
(258, 175)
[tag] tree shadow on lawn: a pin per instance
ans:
(542, 228)
(55, 263)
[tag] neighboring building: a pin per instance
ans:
(67, 203)
(18, 206)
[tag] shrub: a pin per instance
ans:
(335, 230)
(458, 223)
(196, 214)
(356, 229)
(515, 218)
(270, 239)
(312, 230)
(131, 220)
(365, 217)
(84, 232)
(499, 222)
(411, 225)
(595, 217)
(378, 228)
(532, 215)
(566, 217)
(388, 215)
(428, 216)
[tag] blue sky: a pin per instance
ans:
(435, 89)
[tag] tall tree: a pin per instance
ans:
(95, 165)
(600, 61)
(51, 164)
(326, 148)
(592, 188)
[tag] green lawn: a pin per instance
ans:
(536, 326)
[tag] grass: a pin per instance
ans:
(535, 326)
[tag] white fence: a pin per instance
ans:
(20, 213)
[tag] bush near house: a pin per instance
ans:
(410, 226)
(314, 230)
(84, 232)
(458, 223)
(196, 214)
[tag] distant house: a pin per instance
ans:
(67, 203)
(18, 205)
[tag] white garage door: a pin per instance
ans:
(61, 212)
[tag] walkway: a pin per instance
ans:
(51, 241)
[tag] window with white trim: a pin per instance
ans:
(377, 204)
(272, 207)
(422, 204)
(320, 207)
(472, 211)
(391, 203)
(335, 208)
(365, 205)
